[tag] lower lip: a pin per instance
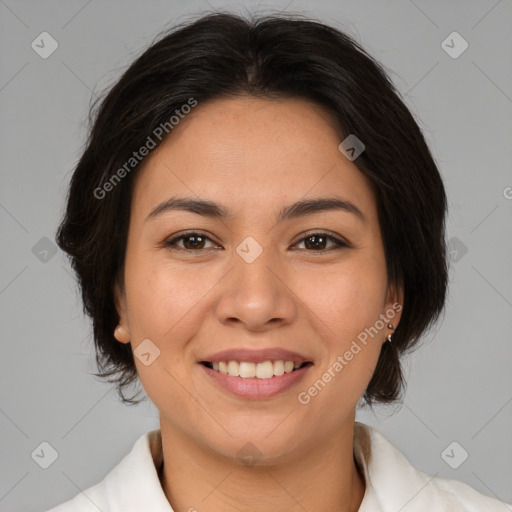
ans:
(254, 388)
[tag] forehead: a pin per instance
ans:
(250, 152)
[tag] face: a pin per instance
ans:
(268, 292)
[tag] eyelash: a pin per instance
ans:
(171, 243)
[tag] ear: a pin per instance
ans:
(122, 331)
(394, 305)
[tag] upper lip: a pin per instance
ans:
(256, 356)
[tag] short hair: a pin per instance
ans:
(279, 56)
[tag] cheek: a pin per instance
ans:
(163, 296)
(163, 304)
(347, 307)
(345, 299)
(347, 302)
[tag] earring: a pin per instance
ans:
(389, 336)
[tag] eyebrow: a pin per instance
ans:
(298, 209)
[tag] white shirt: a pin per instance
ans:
(392, 483)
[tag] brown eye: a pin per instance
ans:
(191, 242)
(318, 242)
(194, 241)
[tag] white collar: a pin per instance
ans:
(392, 483)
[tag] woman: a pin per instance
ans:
(257, 226)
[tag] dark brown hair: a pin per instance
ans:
(222, 55)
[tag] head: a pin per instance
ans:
(250, 115)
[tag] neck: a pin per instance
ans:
(324, 478)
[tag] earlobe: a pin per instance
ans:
(121, 334)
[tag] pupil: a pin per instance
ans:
(194, 245)
(315, 245)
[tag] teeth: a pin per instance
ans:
(278, 368)
(265, 370)
(289, 366)
(233, 369)
(246, 370)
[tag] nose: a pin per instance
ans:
(257, 295)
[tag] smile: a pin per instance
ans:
(255, 381)
(248, 370)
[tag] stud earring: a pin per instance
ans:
(389, 336)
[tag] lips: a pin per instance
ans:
(256, 374)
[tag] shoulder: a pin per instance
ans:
(130, 486)
(457, 495)
(90, 500)
(394, 484)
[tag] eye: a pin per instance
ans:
(195, 241)
(192, 241)
(318, 241)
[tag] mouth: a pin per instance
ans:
(263, 370)
(261, 378)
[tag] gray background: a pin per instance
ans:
(460, 383)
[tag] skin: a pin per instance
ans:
(255, 156)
